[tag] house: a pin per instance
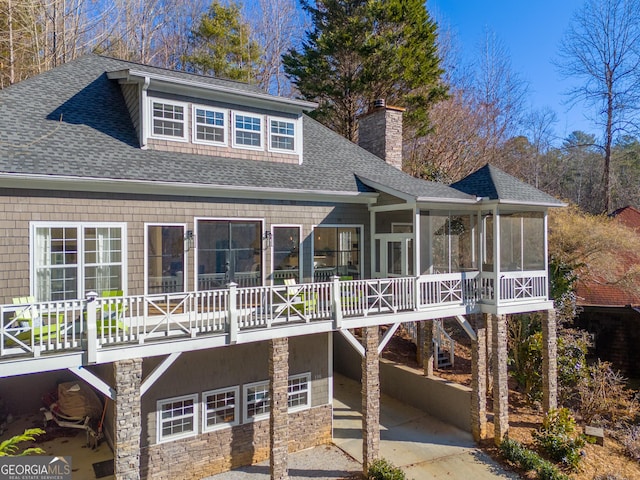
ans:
(611, 313)
(189, 247)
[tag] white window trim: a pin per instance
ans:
(236, 409)
(185, 130)
(245, 403)
(307, 377)
(337, 225)
(185, 272)
(33, 226)
(296, 135)
(193, 433)
(194, 125)
(233, 130)
(300, 257)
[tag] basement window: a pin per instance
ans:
(298, 395)
(177, 418)
(220, 408)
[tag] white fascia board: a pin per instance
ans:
(66, 183)
(519, 203)
(412, 198)
(182, 85)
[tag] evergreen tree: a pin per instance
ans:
(223, 45)
(358, 51)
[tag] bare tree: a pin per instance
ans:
(601, 48)
(276, 26)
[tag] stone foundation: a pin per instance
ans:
(222, 450)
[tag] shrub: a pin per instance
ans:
(558, 438)
(382, 469)
(630, 439)
(528, 460)
(9, 448)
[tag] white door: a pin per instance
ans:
(393, 256)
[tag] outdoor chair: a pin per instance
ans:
(29, 321)
(109, 315)
(304, 303)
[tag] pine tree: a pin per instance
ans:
(358, 51)
(223, 45)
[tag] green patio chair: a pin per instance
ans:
(109, 317)
(31, 322)
(306, 303)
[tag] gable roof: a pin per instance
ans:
(491, 183)
(71, 125)
(70, 128)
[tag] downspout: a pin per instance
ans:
(144, 114)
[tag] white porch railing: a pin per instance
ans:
(111, 322)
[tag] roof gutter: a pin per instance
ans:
(146, 187)
(132, 75)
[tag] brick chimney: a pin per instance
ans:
(380, 132)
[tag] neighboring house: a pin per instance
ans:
(611, 314)
(189, 246)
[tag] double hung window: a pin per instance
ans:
(221, 408)
(210, 125)
(177, 418)
(168, 119)
(70, 260)
(247, 130)
(282, 135)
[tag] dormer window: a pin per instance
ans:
(210, 125)
(247, 131)
(169, 120)
(282, 135)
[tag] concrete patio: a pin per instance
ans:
(421, 445)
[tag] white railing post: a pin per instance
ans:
(233, 312)
(336, 304)
(92, 330)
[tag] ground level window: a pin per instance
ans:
(257, 401)
(220, 408)
(298, 392)
(177, 417)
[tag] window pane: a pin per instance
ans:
(56, 263)
(247, 130)
(286, 241)
(533, 236)
(336, 252)
(168, 120)
(102, 259)
(229, 251)
(209, 125)
(165, 259)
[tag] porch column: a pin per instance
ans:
(479, 380)
(279, 419)
(488, 342)
(370, 398)
(500, 378)
(549, 361)
(420, 326)
(428, 358)
(128, 376)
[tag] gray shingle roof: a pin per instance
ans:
(492, 183)
(72, 121)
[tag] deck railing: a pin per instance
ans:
(95, 323)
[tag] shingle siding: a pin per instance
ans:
(23, 207)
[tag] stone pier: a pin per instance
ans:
(370, 398)
(128, 427)
(279, 417)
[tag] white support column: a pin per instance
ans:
(233, 313)
(336, 303)
(92, 330)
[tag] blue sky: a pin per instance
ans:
(531, 31)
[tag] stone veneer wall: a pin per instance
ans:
(380, 132)
(222, 450)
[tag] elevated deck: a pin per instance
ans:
(70, 334)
